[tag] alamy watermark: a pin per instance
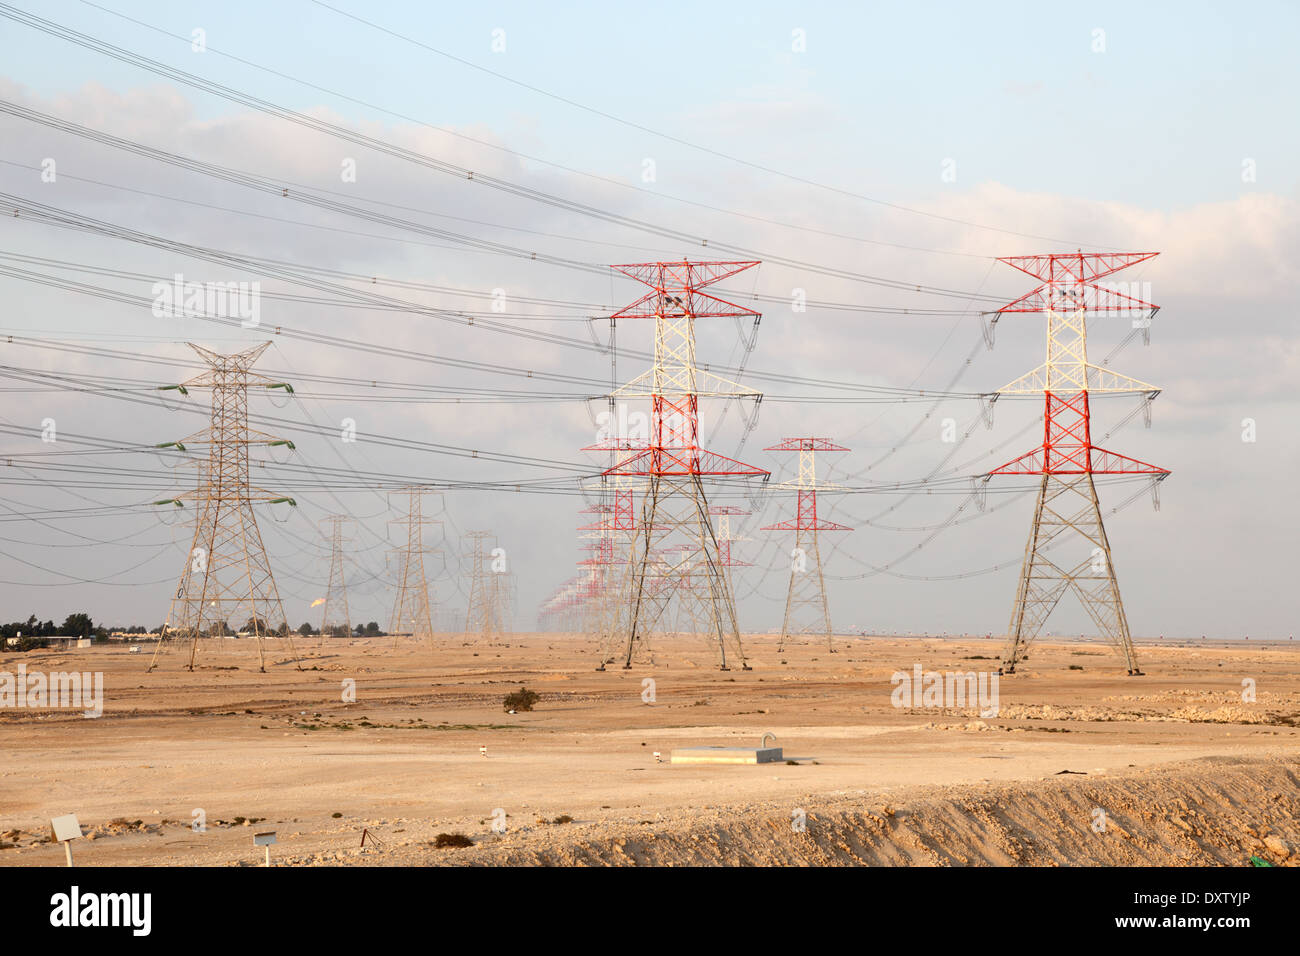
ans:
(222, 300)
(37, 691)
(923, 688)
(128, 910)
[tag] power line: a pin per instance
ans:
(537, 159)
(422, 159)
(684, 142)
(62, 219)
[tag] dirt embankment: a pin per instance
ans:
(1215, 811)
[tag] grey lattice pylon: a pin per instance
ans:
(490, 592)
(335, 612)
(411, 606)
(227, 575)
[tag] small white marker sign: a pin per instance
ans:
(66, 829)
(265, 840)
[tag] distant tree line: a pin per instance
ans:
(340, 630)
(74, 625)
(80, 624)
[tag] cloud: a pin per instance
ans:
(1224, 346)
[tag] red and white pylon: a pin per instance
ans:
(1067, 459)
(807, 610)
(671, 463)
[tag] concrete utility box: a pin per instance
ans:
(727, 755)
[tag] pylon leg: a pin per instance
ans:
(789, 607)
(640, 561)
(821, 592)
(807, 610)
(678, 506)
(610, 611)
(721, 602)
(1067, 504)
(153, 661)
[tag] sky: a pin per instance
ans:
(842, 145)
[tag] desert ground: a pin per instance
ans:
(1081, 765)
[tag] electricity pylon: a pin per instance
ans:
(227, 575)
(504, 593)
(726, 538)
(488, 592)
(806, 608)
(566, 606)
(1067, 459)
(672, 462)
(335, 612)
(693, 614)
(411, 608)
(607, 602)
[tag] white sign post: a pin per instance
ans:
(66, 829)
(265, 840)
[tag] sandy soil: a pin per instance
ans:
(1183, 769)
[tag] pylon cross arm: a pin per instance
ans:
(1104, 380)
(1112, 463)
(1075, 376)
(793, 524)
(685, 381)
(682, 461)
(690, 302)
(1079, 266)
(684, 274)
(1076, 460)
(1092, 298)
(806, 444)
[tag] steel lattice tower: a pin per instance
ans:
(672, 463)
(412, 607)
(227, 573)
(561, 611)
(606, 605)
(335, 611)
(724, 514)
(1067, 460)
(589, 593)
(693, 612)
(489, 590)
(806, 608)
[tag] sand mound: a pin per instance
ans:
(1225, 714)
(1217, 811)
